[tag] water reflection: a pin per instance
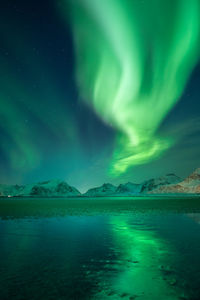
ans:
(130, 256)
(144, 267)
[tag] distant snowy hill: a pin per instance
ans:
(128, 189)
(107, 189)
(191, 184)
(152, 184)
(10, 190)
(49, 188)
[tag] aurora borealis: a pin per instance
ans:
(108, 88)
(133, 62)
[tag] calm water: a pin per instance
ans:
(55, 250)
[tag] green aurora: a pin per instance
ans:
(133, 61)
(18, 99)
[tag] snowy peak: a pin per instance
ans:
(197, 171)
(53, 188)
(190, 184)
(193, 179)
(152, 184)
(129, 188)
(106, 189)
(107, 186)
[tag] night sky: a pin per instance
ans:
(57, 122)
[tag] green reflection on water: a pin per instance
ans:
(114, 257)
(145, 265)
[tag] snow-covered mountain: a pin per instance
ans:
(49, 188)
(128, 189)
(190, 185)
(152, 184)
(132, 189)
(10, 190)
(107, 189)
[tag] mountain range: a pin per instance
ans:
(50, 188)
(168, 184)
(133, 189)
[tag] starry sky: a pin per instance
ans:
(87, 97)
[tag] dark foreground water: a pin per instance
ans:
(100, 249)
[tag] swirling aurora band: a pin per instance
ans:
(133, 61)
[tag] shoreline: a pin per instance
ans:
(144, 196)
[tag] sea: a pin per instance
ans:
(100, 248)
